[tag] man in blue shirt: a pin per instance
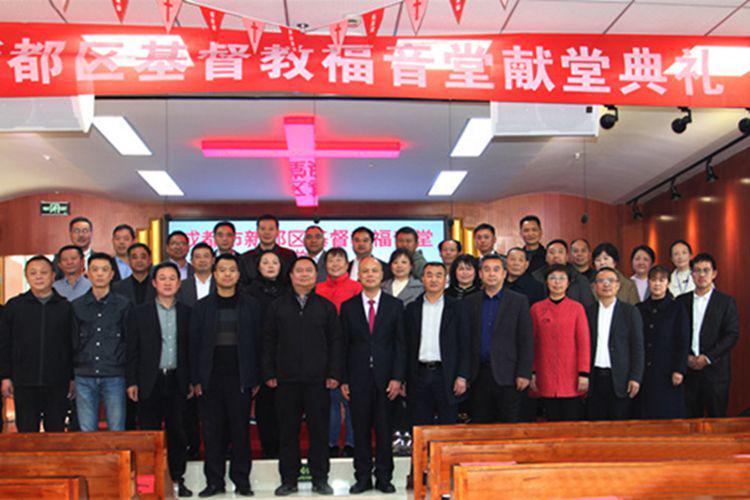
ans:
(74, 283)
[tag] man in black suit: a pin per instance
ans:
(200, 283)
(138, 288)
(362, 240)
(268, 231)
(303, 357)
(715, 330)
(580, 287)
(518, 280)
(373, 327)
(224, 353)
(157, 373)
(502, 347)
(315, 242)
(177, 248)
(530, 228)
(438, 351)
(617, 351)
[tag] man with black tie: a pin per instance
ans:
(178, 245)
(715, 331)
(137, 288)
(157, 374)
(201, 282)
(438, 351)
(268, 232)
(373, 328)
(224, 343)
(502, 347)
(617, 351)
(303, 355)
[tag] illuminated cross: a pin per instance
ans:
(169, 6)
(417, 3)
(301, 148)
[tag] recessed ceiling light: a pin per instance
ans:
(161, 182)
(447, 182)
(708, 199)
(47, 157)
(667, 218)
(474, 139)
(121, 135)
(745, 180)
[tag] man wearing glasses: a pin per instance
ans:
(617, 351)
(81, 230)
(177, 250)
(715, 330)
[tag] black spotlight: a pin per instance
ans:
(674, 194)
(744, 125)
(637, 214)
(710, 174)
(608, 120)
(680, 124)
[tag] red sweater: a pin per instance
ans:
(561, 347)
(338, 290)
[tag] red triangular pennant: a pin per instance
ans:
(372, 21)
(458, 9)
(120, 7)
(254, 31)
(338, 33)
(291, 34)
(168, 10)
(416, 10)
(213, 18)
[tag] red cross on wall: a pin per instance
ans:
(301, 148)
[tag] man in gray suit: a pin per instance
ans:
(617, 351)
(315, 242)
(201, 282)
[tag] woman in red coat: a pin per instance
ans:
(561, 349)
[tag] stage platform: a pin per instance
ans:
(265, 479)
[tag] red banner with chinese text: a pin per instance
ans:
(65, 59)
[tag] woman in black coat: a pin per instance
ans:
(666, 331)
(267, 287)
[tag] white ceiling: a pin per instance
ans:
(620, 163)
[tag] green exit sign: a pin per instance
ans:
(54, 208)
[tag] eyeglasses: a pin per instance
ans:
(80, 231)
(607, 281)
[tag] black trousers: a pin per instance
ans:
(428, 398)
(225, 410)
(370, 409)
(165, 404)
(48, 404)
(131, 415)
(265, 416)
(292, 401)
(603, 403)
(703, 396)
(191, 424)
(492, 402)
(563, 409)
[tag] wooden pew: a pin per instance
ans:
(67, 488)
(445, 455)
(681, 479)
(424, 434)
(109, 474)
(148, 447)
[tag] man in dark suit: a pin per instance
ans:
(224, 353)
(268, 231)
(122, 237)
(157, 373)
(81, 232)
(373, 327)
(315, 242)
(137, 288)
(518, 280)
(715, 330)
(177, 248)
(617, 351)
(502, 347)
(438, 351)
(362, 240)
(580, 287)
(200, 283)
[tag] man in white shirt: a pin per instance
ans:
(439, 349)
(200, 284)
(715, 331)
(362, 240)
(617, 351)
(81, 231)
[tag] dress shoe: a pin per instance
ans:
(322, 488)
(244, 491)
(211, 490)
(385, 487)
(183, 491)
(361, 486)
(285, 489)
(348, 451)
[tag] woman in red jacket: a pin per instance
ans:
(561, 349)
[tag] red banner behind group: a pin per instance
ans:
(64, 59)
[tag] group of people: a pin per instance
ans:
(556, 332)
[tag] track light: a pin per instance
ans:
(744, 124)
(674, 194)
(710, 174)
(680, 124)
(608, 120)
(637, 214)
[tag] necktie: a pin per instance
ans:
(371, 315)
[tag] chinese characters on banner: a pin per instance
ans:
(338, 233)
(56, 60)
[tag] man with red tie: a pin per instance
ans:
(372, 323)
